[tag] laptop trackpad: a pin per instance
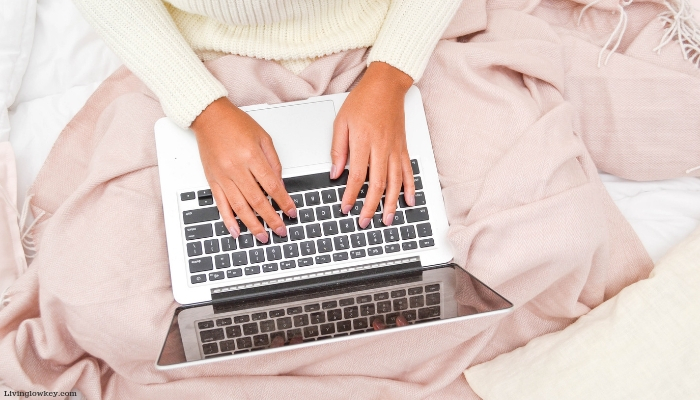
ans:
(302, 133)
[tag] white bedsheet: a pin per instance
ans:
(68, 61)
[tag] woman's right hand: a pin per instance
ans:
(236, 154)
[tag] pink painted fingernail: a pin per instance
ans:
(262, 237)
(346, 208)
(388, 219)
(334, 171)
(401, 321)
(233, 230)
(292, 212)
(296, 340)
(364, 222)
(378, 325)
(281, 231)
(410, 200)
(277, 341)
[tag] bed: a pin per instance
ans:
(66, 61)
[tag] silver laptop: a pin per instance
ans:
(327, 280)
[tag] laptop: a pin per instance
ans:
(328, 280)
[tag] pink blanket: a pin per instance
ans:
(511, 106)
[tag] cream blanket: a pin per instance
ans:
(512, 107)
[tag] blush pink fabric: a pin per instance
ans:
(511, 107)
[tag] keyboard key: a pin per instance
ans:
(415, 290)
(233, 331)
(424, 229)
(409, 245)
(363, 191)
(250, 329)
(312, 199)
(205, 324)
(206, 201)
(367, 309)
(284, 323)
(186, 196)
(378, 222)
(416, 301)
(241, 319)
(310, 331)
(297, 233)
(241, 226)
(298, 200)
(274, 253)
(204, 193)
(374, 237)
(215, 276)
(305, 262)
(358, 240)
(391, 235)
(318, 317)
(432, 288)
(392, 248)
(402, 202)
(271, 267)
(221, 229)
(347, 225)
(417, 214)
(414, 166)
(312, 307)
(313, 230)
(410, 315)
(210, 348)
(432, 299)
(234, 273)
(279, 239)
(401, 304)
(294, 310)
(398, 218)
(228, 345)
(323, 213)
(398, 293)
(420, 199)
(391, 318)
(290, 251)
(288, 264)
(375, 251)
(275, 206)
(351, 312)
(211, 246)
(417, 182)
(426, 243)
(228, 244)
(194, 249)
(429, 312)
(364, 299)
(201, 215)
(276, 313)
(244, 343)
(408, 232)
(246, 241)
(343, 326)
(261, 340)
(328, 196)
(308, 248)
(358, 253)
(360, 323)
(384, 307)
(195, 279)
(267, 326)
(252, 270)
(289, 221)
(324, 245)
(323, 259)
(301, 320)
(329, 304)
(337, 212)
(340, 256)
(381, 296)
(341, 242)
(200, 264)
(346, 302)
(330, 228)
(256, 256)
(211, 335)
(199, 232)
(307, 215)
(259, 315)
(356, 208)
(327, 329)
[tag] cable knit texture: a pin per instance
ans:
(164, 43)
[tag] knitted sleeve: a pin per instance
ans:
(144, 35)
(410, 33)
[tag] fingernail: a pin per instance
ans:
(233, 230)
(292, 212)
(364, 222)
(346, 208)
(401, 321)
(334, 171)
(262, 237)
(410, 200)
(388, 219)
(281, 231)
(277, 341)
(378, 325)
(296, 340)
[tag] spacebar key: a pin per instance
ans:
(314, 181)
(416, 214)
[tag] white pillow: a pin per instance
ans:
(16, 37)
(643, 343)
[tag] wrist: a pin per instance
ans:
(210, 114)
(388, 76)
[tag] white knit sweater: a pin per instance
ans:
(163, 44)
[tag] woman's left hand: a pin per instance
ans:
(370, 126)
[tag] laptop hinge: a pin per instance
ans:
(318, 280)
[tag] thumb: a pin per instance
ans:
(340, 146)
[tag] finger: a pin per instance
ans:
(409, 187)
(242, 207)
(277, 341)
(339, 147)
(393, 187)
(296, 340)
(359, 156)
(222, 203)
(279, 194)
(270, 153)
(378, 324)
(377, 185)
(401, 321)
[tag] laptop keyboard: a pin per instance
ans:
(320, 234)
(318, 319)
